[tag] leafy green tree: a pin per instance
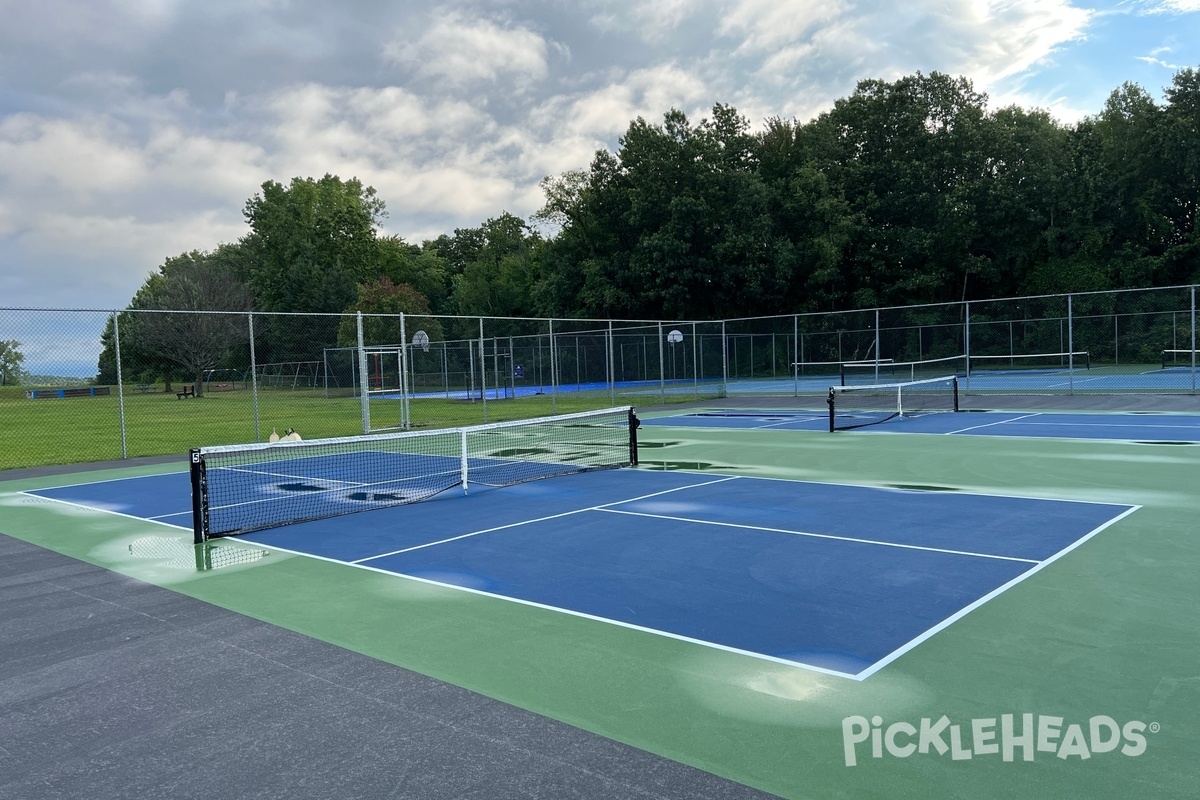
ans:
(422, 268)
(311, 244)
(584, 265)
(499, 270)
(677, 223)
(1024, 209)
(11, 359)
(811, 218)
(180, 315)
(382, 302)
(906, 156)
(1180, 136)
(1128, 170)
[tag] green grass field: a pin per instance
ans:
(85, 429)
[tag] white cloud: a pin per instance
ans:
(987, 41)
(1171, 6)
(76, 159)
(658, 19)
(606, 111)
(765, 25)
(458, 50)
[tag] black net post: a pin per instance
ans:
(199, 526)
(830, 401)
(634, 424)
(955, 389)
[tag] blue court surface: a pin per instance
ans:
(839, 579)
(1151, 428)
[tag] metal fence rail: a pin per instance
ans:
(85, 385)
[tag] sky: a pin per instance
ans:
(136, 130)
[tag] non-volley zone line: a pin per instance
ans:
(793, 532)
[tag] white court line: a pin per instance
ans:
(895, 654)
(819, 535)
(542, 519)
(803, 420)
(105, 480)
(990, 424)
(157, 520)
(568, 611)
(1117, 425)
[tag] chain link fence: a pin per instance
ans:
(86, 385)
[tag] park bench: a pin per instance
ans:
(143, 387)
(188, 391)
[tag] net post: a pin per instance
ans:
(463, 440)
(199, 500)
(954, 383)
(829, 400)
(634, 424)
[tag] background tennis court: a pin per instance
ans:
(654, 606)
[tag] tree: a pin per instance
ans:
(311, 244)
(11, 359)
(498, 274)
(907, 157)
(180, 315)
(381, 303)
(677, 223)
(422, 268)
(1181, 183)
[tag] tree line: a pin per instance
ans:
(906, 192)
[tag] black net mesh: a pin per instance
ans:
(858, 406)
(251, 487)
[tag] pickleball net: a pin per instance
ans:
(242, 488)
(858, 406)
(886, 370)
(1031, 362)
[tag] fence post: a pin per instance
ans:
(796, 355)
(967, 340)
(253, 378)
(120, 383)
(553, 370)
(1193, 339)
(724, 360)
(364, 379)
(403, 374)
(878, 352)
(695, 366)
(1070, 347)
(662, 377)
(612, 369)
(482, 371)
